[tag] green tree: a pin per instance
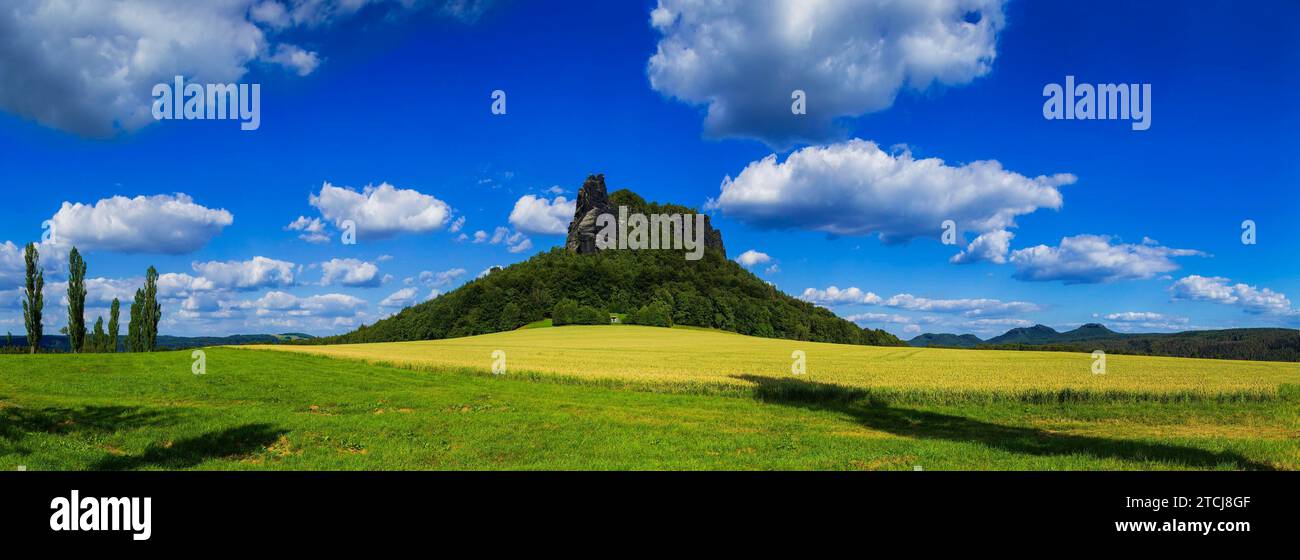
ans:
(589, 315)
(511, 317)
(657, 314)
(113, 324)
(136, 325)
(98, 338)
(150, 312)
(34, 300)
(76, 301)
(565, 312)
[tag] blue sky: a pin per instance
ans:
(1145, 234)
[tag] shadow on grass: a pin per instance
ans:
(16, 422)
(186, 453)
(876, 413)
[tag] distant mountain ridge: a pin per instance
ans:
(1043, 334)
(946, 340)
(1269, 344)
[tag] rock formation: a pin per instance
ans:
(593, 200)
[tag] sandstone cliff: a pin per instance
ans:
(594, 200)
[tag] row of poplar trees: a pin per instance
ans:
(146, 312)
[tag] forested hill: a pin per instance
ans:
(710, 292)
(1268, 344)
(584, 283)
(1273, 345)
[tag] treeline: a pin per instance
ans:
(1273, 345)
(142, 331)
(651, 287)
(569, 312)
(58, 343)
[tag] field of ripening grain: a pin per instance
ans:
(691, 358)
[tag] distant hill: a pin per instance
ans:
(1043, 334)
(1282, 345)
(711, 292)
(1037, 334)
(59, 343)
(946, 340)
(1089, 331)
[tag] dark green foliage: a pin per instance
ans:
(564, 312)
(945, 340)
(711, 292)
(98, 338)
(114, 313)
(588, 315)
(511, 317)
(880, 337)
(1276, 345)
(570, 312)
(146, 312)
(76, 302)
(152, 310)
(1026, 335)
(33, 300)
(657, 314)
(134, 340)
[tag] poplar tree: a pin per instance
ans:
(152, 310)
(134, 328)
(113, 324)
(76, 301)
(98, 338)
(34, 301)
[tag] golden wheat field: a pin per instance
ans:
(694, 356)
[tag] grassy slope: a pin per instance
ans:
(688, 358)
(276, 410)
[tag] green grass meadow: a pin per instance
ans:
(265, 409)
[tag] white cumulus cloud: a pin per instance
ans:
(180, 284)
(256, 273)
(89, 67)
(353, 273)
(441, 279)
(13, 267)
(991, 247)
(835, 296)
(751, 257)
(855, 188)
(381, 212)
(1130, 320)
(324, 305)
(515, 241)
(313, 229)
(1218, 289)
(166, 224)
(743, 60)
(293, 57)
(969, 307)
(538, 215)
(404, 297)
(1089, 259)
